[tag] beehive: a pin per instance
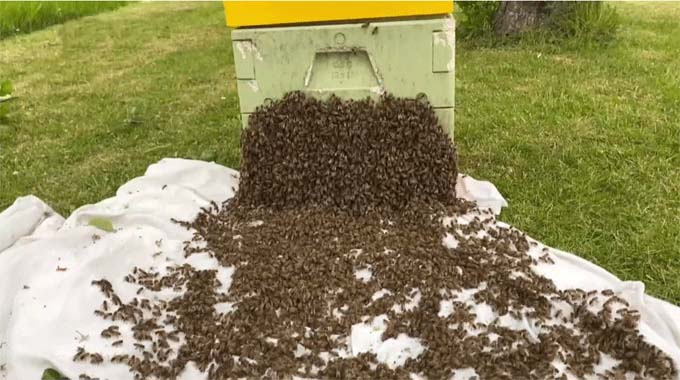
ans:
(350, 49)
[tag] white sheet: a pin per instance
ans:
(47, 264)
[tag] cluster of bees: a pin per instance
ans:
(151, 341)
(296, 285)
(353, 155)
(332, 189)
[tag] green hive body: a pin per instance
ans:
(407, 58)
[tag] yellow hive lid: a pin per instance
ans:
(258, 13)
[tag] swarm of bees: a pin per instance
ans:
(334, 188)
(353, 155)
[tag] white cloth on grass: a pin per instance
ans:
(47, 265)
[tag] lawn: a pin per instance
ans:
(24, 17)
(585, 144)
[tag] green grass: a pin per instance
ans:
(584, 143)
(24, 17)
(103, 97)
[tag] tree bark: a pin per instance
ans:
(514, 17)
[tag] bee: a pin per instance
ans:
(110, 332)
(96, 359)
(120, 359)
(81, 355)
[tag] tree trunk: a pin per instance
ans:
(514, 17)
